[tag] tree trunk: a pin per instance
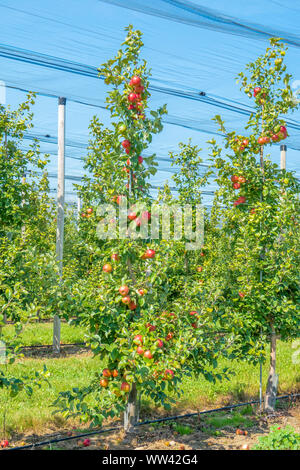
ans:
(132, 410)
(271, 392)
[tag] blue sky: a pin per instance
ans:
(182, 56)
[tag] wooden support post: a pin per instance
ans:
(60, 210)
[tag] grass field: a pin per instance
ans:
(35, 414)
(41, 333)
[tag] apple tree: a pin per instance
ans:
(143, 348)
(253, 264)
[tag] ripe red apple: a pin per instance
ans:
(146, 215)
(136, 80)
(132, 97)
(138, 222)
(83, 214)
(126, 300)
(139, 89)
(4, 443)
(148, 355)
(160, 343)
(234, 178)
(126, 144)
(139, 350)
(242, 294)
(169, 336)
(275, 137)
(86, 442)
(125, 387)
(199, 269)
(124, 290)
(245, 142)
(236, 185)
(202, 254)
(104, 383)
(141, 292)
(138, 339)
(256, 90)
(106, 373)
(89, 210)
(241, 179)
(115, 257)
(193, 312)
(132, 305)
(151, 327)
(131, 106)
(140, 160)
(107, 268)
(115, 373)
(149, 253)
(242, 199)
(194, 325)
(261, 140)
(131, 215)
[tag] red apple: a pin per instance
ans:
(86, 442)
(132, 305)
(169, 336)
(138, 339)
(236, 185)
(146, 215)
(115, 373)
(106, 373)
(4, 443)
(234, 178)
(148, 355)
(160, 343)
(89, 210)
(132, 97)
(104, 383)
(131, 215)
(125, 387)
(194, 325)
(193, 312)
(136, 80)
(199, 269)
(139, 350)
(126, 144)
(149, 253)
(126, 300)
(141, 292)
(124, 290)
(140, 160)
(242, 294)
(107, 268)
(115, 257)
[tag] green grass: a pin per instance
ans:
(235, 419)
(41, 333)
(182, 429)
(35, 414)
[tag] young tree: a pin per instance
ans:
(256, 259)
(123, 301)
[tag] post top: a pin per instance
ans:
(283, 147)
(62, 100)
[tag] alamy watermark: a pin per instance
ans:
(2, 352)
(161, 221)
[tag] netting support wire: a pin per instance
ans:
(60, 209)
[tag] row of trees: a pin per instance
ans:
(155, 311)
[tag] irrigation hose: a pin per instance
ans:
(158, 420)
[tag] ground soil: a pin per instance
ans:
(162, 436)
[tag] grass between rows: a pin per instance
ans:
(41, 333)
(35, 414)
